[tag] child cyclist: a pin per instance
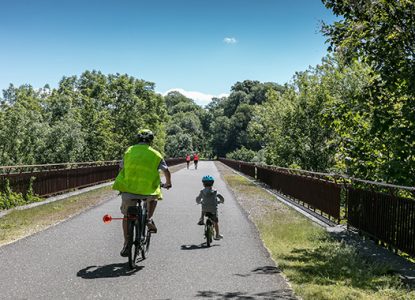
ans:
(209, 198)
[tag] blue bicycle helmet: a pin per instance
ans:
(208, 180)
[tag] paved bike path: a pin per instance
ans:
(79, 258)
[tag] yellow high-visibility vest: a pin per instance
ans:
(140, 174)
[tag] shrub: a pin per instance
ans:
(10, 199)
(242, 154)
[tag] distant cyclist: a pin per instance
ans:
(195, 159)
(209, 198)
(139, 178)
(187, 160)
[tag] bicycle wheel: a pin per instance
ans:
(208, 233)
(144, 233)
(145, 243)
(148, 238)
(133, 243)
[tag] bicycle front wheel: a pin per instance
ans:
(208, 234)
(145, 246)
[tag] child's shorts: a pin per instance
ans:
(213, 216)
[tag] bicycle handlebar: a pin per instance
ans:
(165, 186)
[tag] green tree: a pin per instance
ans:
(185, 123)
(378, 32)
(23, 128)
(235, 113)
(381, 34)
(289, 125)
(178, 145)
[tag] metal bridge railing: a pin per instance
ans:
(383, 211)
(51, 179)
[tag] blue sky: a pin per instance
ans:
(196, 46)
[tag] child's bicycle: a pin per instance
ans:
(209, 232)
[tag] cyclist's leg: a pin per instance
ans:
(201, 219)
(125, 228)
(216, 224)
(151, 207)
(125, 203)
(215, 219)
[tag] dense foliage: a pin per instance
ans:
(93, 117)
(380, 34)
(186, 127)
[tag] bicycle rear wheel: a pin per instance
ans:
(133, 243)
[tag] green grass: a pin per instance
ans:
(317, 265)
(21, 223)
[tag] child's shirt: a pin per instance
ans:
(209, 199)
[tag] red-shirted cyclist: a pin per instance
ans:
(187, 160)
(195, 159)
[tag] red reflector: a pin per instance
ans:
(107, 219)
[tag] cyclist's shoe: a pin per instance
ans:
(218, 237)
(125, 250)
(151, 226)
(201, 222)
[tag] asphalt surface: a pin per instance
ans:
(79, 258)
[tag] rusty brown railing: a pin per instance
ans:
(57, 178)
(387, 218)
(51, 179)
(312, 188)
(384, 216)
(317, 193)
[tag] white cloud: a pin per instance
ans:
(200, 98)
(230, 40)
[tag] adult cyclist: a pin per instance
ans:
(139, 178)
(195, 159)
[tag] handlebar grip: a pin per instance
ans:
(166, 186)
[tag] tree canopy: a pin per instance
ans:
(93, 117)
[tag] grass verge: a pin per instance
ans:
(317, 264)
(21, 223)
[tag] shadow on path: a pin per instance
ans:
(196, 247)
(276, 294)
(107, 271)
(266, 270)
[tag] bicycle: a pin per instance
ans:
(208, 232)
(139, 236)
